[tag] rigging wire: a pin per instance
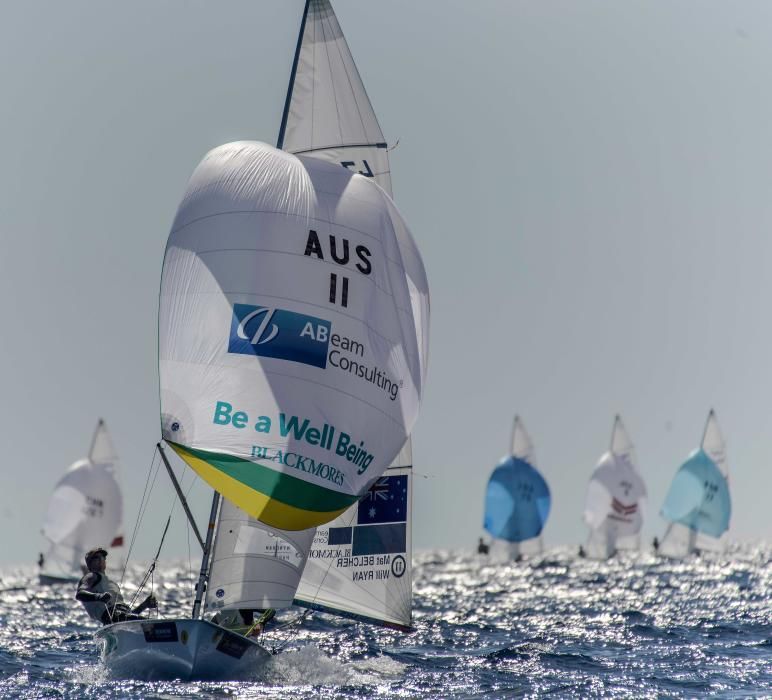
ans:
(139, 514)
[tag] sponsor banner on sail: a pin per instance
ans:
(293, 333)
(360, 563)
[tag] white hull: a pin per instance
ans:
(178, 649)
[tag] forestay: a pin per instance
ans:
(360, 564)
(293, 333)
(85, 509)
(328, 114)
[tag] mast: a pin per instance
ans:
(293, 73)
(204, 573)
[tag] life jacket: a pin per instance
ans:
(96, 610)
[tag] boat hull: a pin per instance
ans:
(182, 649)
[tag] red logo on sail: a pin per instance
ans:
(622, 510)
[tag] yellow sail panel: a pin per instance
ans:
(266, 507)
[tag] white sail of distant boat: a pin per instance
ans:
(698, 505)
(517, 498)
(316, 283)
(84, 511)
(616, 497)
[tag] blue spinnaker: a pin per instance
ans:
(699, 497)
(517, 501)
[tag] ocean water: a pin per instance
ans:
(555, 625)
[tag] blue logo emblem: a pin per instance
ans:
(220, 593)
(284, 335)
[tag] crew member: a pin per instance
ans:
(102, 597)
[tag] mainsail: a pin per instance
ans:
(85, 510)
(698, 504)
(360, 564)
(328, 114)
(517, 499)
(615, 498)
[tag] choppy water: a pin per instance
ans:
(555, 625)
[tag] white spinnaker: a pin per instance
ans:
(84, 511)
(616, 497)
(254, 566)
(328, 114)
(375, 587)
(679, 540)
(241, 241)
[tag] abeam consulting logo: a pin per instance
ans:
(281, 334)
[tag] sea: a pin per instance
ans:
(554, 625)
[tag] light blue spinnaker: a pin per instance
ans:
(699, 497)
(517, 501)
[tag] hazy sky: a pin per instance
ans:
(590, 184)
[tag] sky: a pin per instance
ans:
(589, 184)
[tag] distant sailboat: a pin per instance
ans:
(517, 499)
(615, 500)
(698, 504)
(85, 509)
(295, 418)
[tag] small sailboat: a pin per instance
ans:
(615, 499)
(698, 504)
(293, 342)
(86, 506)
(517, 499)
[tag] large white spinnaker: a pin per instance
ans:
(84, 511)
(698, 503)
(293, 333)
(360, 564)
(328, 114)
(615, 500)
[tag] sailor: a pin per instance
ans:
(655, 544)
(102, 597)
(582, 553)
(242, 620)
(482, 548)
(41, 560)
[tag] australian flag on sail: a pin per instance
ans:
(385, 502)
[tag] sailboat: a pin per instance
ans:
(86, 505)
(293, 343)
(615, 499)
(698, 504)
(517, 499)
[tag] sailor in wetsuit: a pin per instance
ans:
(102, 597)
